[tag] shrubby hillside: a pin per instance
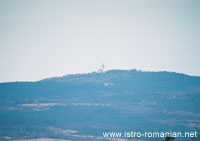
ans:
(82, 106)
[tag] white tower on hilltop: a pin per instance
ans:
(102, 67)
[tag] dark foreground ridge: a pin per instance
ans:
(82, 106)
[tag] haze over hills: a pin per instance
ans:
(82, 106)
(117, 76)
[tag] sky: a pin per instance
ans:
(46, 38)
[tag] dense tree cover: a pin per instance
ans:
(125, 100)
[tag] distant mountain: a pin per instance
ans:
(82, 106)
(134, 79)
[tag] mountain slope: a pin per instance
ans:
(95, 102)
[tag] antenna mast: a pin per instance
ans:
(103, 66)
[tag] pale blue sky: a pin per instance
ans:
(44, 38)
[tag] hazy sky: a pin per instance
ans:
(44, 38)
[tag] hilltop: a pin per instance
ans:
(89, 104)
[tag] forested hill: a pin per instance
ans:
(95, 102)
(134, 79)
(113, 82)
